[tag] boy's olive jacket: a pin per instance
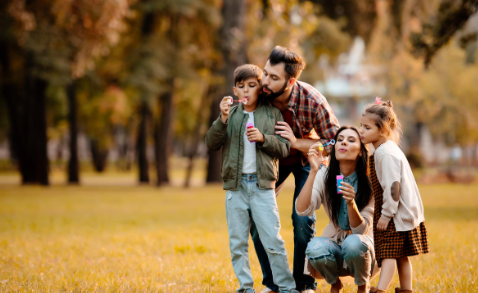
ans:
(230, 136)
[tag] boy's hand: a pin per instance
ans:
(253, 134)
(382, 224)
(315, 158)
(225, 107)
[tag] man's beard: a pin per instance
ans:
(269, 98)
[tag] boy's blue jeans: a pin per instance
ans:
(304, 232)
(260, 205)
(354, 257)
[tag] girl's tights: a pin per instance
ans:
(388, 270)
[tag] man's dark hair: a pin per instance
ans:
(294, 63)
(246, 71)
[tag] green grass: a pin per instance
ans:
(144, 239)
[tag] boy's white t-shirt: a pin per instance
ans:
(249, 163)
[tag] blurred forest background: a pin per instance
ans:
(131, 86)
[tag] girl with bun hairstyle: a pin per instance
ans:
(398, 223)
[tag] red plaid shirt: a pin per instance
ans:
(311, 111)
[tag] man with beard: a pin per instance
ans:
(308, 119)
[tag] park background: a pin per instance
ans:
(105, 181)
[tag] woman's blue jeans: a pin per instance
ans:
(354, 257)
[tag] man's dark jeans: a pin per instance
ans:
(304, 232)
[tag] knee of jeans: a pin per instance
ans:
(353, 247)
(319, 250)
(277, 246)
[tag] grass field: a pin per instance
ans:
(144, 239)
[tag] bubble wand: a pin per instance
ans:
(321, 146)
(231, 101)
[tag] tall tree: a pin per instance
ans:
(407, 37)
(208, 93)
(25, 97)
(147, 29)
(59, 41)
(167, 58)
(164, 125)
(233, 47)
(360, 16)
(73, 164)
(11, 84)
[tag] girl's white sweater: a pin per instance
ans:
(401, 198)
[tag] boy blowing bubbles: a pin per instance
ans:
(248, 92)
(249, 173)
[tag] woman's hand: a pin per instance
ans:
(315, 157)
(348, 192)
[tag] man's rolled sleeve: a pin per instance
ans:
(326, 124)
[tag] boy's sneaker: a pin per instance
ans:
(267, 290)
(308, 291)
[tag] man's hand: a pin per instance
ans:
(253, 134)
(382, 224)
(225, 107)
(284, 130)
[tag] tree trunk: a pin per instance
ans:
(147, 29)
(164, 128)
(11, 94)
(164, 137)
(196, 136)
(121, 143)
(33, 158)
(26, 101)
(99, 156)
(234, 54)
(141, 145)
(73, 165)
(13, 99)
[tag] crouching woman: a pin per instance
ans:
(346, 245)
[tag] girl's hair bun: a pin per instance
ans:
(386, 118)
(388, 104)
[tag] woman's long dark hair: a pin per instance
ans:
(364, 188)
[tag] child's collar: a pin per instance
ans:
(241, 107)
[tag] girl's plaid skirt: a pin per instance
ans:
(390, 243)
